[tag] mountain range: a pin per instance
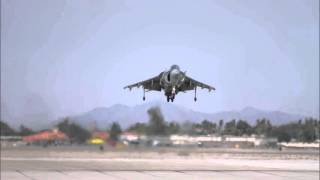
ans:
(102, 117)
(126, 115)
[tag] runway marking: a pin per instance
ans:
(112, 175)
(20, 172)
(277, 173)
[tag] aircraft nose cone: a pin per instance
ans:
(174, 72)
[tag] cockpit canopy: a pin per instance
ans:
(175, 67)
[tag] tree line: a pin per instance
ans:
(6, 130)
(306, 130)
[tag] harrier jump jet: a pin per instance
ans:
(172, 82)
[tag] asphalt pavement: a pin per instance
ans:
(46, 164)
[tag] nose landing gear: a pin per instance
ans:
(195, 94)
(171, 95)
(170, 98)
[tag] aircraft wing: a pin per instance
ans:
(149, 84)
(190, 84)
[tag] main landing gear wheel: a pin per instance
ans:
(195, 99)
(168, 99)
(144, 98)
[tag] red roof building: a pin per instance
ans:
(46, 136)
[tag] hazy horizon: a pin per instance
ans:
(61, 58)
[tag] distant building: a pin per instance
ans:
(99, 137)
(252, 141)
(9, 141)
(300, 145)
(265, 142)
(10, 138)
(46, 137)
(100, 134)
(222, 141)
(195, 140)
(130, 138)
(158, 141)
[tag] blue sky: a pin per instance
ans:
(67, 57)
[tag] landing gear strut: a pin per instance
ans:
(144, 97)
(173, 93)
(195, 94)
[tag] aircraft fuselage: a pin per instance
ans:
(171, 80)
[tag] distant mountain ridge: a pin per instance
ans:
(102, 117)
(126, 115)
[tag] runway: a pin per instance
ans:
(44, 164)
(95, 169)
(155, 175)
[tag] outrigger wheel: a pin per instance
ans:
(144, 95)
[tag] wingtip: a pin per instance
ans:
(127, 87)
